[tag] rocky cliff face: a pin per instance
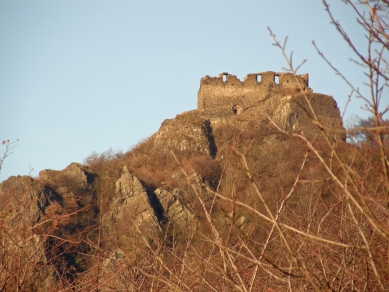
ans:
(131, 208)
(134, 208)
(34, 214)
(187, 131)
(136, 220)
(22, 206)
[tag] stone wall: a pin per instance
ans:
(226, 95)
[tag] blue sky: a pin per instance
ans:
(84, 76)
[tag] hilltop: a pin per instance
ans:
(240, 192)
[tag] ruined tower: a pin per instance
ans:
(225, 95)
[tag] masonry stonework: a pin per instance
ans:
(225, 95)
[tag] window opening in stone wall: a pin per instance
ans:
(277, 79)
(259, 78)
(224, 78)
(237, 109)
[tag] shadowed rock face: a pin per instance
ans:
(26, 231)
(174, 210)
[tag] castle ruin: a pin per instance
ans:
(225, 95)
(285, 98)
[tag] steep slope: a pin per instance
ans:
(176, 206)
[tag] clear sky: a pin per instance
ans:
(84, 76)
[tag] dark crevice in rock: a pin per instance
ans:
(211, 138)
(156, 205)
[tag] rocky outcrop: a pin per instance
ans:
(132, 220)
(136, 214)
(22, 204)
(23, 196)
(130, 206)
(75, 172)
(292, 113)
(187, 131)
(29, 233)
(175, 211)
